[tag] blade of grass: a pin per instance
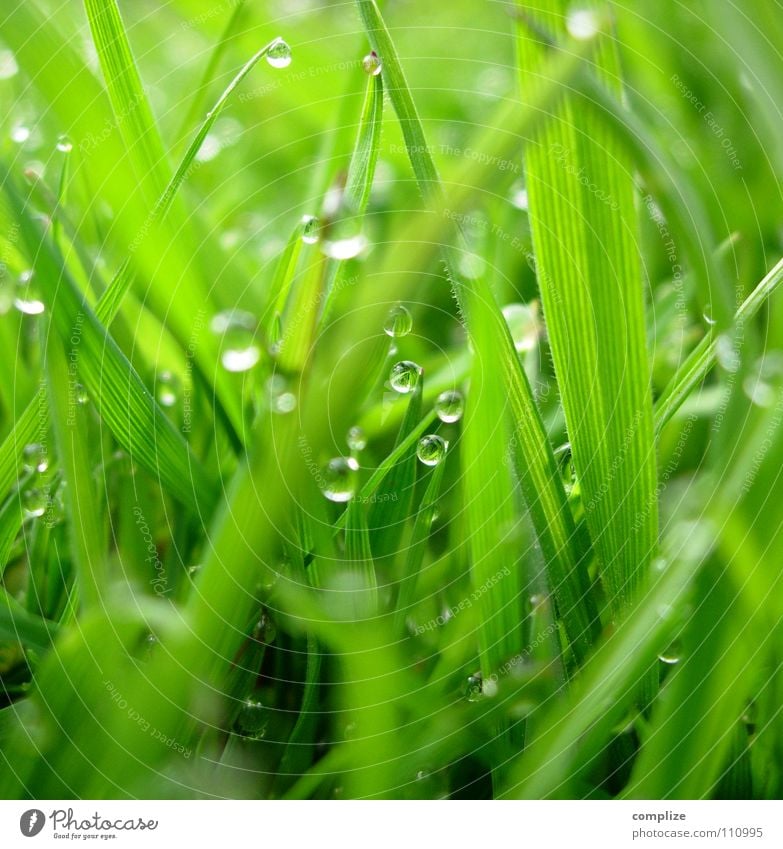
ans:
(19, 625)
(589, 274)
(132, 414)
(537, 468)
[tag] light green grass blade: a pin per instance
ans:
(589, 274)
(537, 468)
(132, 414)
(127, 93)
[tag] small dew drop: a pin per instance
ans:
(449, 406)
(404, 376)
(399, 322)
(582, 24)
(64, 144)
(281, 399)
(356, 439)
(519, 197)
(474, 687)
(167, 389)
(34, 458)
(672, 655)
(345, 248)
(34, 502)
(339, 476)
(29, 307)
(727, 355)
(20, 133)
(237, 329)
(372, 64)
(8, 65)
(310, 229)
(279, 54)
(522, 321)
(82, 397)
(431, 449)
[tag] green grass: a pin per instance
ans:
(580, 596)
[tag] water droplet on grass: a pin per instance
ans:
(310, 229)
(20, 133)
(339, 479)
(34, 458)
(522, 321)
(240, 351)
(372, 64)
(404, 376)
(34, 502)
(399, 322)
(672, 655)
(279, 54)
(582, 24)
(29, 307)
(343, 249)
(8, 65)
(449, 406)
(253, 719)
(64, 144)
(167, 389)
(727, 355)
(356, 439)
(474, 688)
(431, 449)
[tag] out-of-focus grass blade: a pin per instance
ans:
(210, 69)
(608, 682)
(589, 274)
(17, 624)
(537, 468)
(703, 357)
(132, 414)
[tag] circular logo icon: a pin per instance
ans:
(31, 822)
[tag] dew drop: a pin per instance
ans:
(727, 355)
(310, 229)
(29, 307)
(253, 719)
(281, 399)
(167, 389)
(64, 144)
(582, 24)
(431, 449)
(672, 655)
(522, 321)
(449, 406)
(20, 133)
(343, 249)
(8, 65)
(34, 458)
(519, 196)
(399, 322)
(339, 476)
(404, 376)
(240, 351)
(34, 502)
(356, 439)
(474, 688)
(279, 54)
(372, 64)
(82, 397)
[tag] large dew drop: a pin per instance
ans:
(310, 229)
(34, 458)
(239, 349)
(404, 376)
(431, 449)
(279, 54)
(449, 406)
(399, 322)
(339, 479)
